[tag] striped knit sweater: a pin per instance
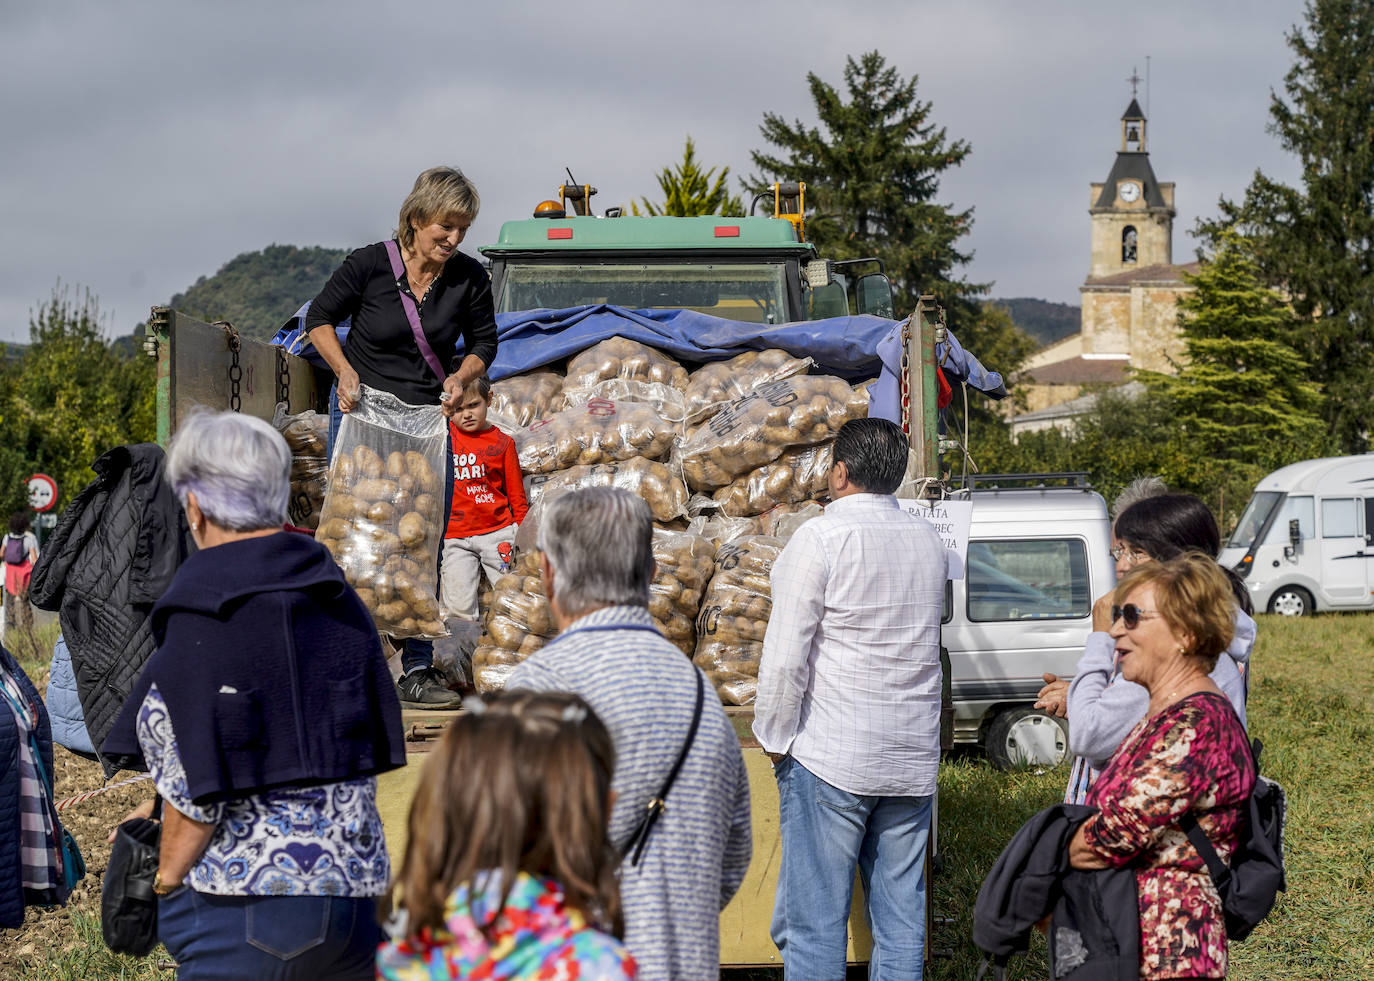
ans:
(644, 689)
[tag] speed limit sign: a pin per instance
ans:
(42, 492)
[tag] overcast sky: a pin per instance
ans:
(147, 143)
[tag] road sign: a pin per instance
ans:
(48, 521)
(42, 492)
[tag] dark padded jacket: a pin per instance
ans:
(1095, 931)
(112, 555)
(12, 898)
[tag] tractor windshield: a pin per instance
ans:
(753, 292)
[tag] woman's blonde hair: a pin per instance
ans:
(439, 192)
(521, 782)
(1193, 596)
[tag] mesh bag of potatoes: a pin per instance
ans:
(382, 518)
(734, 617)
(761, 425)
(664, 490)
(620, 357)
(525, 399)
(601, 431)
(712, 385)
(307, 433)
(517, 623)
(797, 475)
(666, 400)
(684, 563)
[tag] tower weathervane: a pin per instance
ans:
(1135, 80)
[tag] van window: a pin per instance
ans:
(1256, 512)
(1021, 580)
(1295, 507)
(1339, 517)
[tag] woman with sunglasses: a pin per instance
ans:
(1100, 704)
(1171, 621)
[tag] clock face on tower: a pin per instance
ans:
(1129, 191)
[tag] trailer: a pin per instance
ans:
(211, 365)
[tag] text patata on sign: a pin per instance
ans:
(951, 520)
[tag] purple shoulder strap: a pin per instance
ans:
(398, 268)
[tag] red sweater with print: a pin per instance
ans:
(488, 489)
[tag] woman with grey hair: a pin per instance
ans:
(263, 718)
(423, 328)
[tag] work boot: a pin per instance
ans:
(424, 688)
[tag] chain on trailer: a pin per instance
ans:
(235, 370)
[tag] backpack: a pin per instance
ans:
(1249, 887)
(14, 550)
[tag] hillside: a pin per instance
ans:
(1046, 322)
(258, 291)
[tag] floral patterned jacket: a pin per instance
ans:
(536, 938)
(1192, 756)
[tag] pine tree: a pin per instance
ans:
(872, 172)
(1243, 394)
(689, 191)
(1316, 241)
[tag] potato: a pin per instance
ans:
(619, 357)
(734, 616)
(797, 475)
(713, 385)
(601, 431)
(412, 529)
(369, 463)
(336, 529)
(393, 611)
(395, 464)
(526, 398)
(383, 513)
(374, 489)
(664, 491)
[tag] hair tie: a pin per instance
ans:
(576, 714)
(473, 705)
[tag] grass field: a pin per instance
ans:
(1312, 704)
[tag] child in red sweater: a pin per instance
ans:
(488, 503)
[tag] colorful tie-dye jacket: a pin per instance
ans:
(536, 938)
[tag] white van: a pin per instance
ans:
(1303, 544)
(1038, 557)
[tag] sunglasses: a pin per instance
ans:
(1132, 615)
(1125, 551)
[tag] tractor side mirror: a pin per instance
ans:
(875, 295)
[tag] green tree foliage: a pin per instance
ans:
(688, 190)
(1316, 241)
(68, 398)
(872, 172)
(258, 291)
(1243, 395)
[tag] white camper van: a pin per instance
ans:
(1306, 540)
(1038, 557)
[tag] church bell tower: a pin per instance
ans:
(1132, 213)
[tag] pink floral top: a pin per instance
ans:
(536, 938)
(1194, 756)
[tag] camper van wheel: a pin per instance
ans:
(1291, 601)
(1023, 736)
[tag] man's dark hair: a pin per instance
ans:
(875, 453)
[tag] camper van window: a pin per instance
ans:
(947, 608)
(1256, 512)
(1339, 518)
(1293, 507)
(1028, 580)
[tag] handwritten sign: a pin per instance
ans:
(951, 520)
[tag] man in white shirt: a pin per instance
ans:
(848, 708)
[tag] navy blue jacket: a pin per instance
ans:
(272, 672)
(11, 888)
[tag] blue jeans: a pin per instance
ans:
(416, 652)
(269, 938)
(826, 832)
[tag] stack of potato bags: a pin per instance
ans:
(742, 446)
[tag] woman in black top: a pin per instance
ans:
(452, 294)
(451, 291)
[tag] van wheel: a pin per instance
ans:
(1291, 601)
(1024, 736)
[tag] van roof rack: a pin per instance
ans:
(1076, 479)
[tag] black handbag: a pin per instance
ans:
(128, 905)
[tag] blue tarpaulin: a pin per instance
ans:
(851, 347)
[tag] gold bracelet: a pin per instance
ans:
(160, 888)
